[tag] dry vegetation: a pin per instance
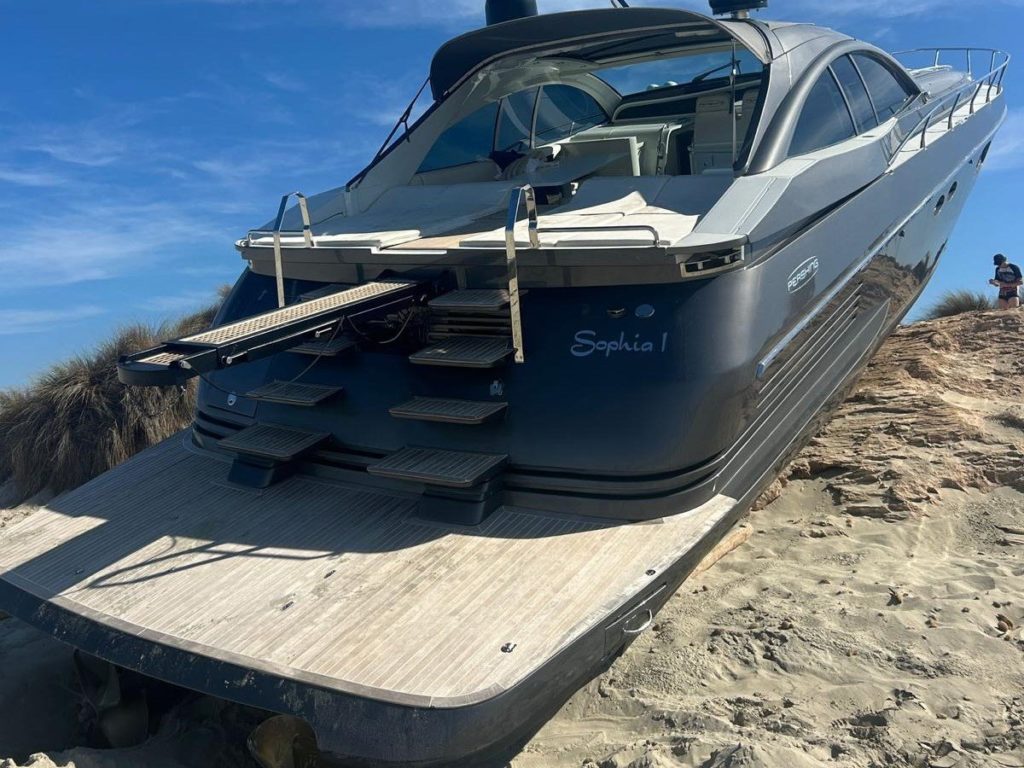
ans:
(957, 302)
(76, 420)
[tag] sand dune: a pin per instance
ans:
(875, 616)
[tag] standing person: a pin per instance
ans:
(1008, 280)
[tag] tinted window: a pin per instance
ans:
(668, 72)
(886, 91)
(825, 120)
(563, 111)
(465, 142)
(515, 125)
(856, 94)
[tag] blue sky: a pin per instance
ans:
(140, 138)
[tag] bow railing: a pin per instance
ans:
(975, 91)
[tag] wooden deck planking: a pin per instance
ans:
(335, 582)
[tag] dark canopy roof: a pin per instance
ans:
(588, 35)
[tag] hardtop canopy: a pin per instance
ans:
(596, 36)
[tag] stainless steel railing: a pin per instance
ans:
(276, 232)
(946, 107)
(526, 195)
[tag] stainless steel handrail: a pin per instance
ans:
(520, 195)
(528, 196)
(992, 80)
(276, 232)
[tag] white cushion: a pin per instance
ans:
(689, 195)
(671, 228)
(615, 194)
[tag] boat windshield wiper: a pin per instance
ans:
(402, 121)
(705, 75)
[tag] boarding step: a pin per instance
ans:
(325, 348)
(273, 441)
(448, 411)
(465, 352)
(435, 466)
(294, 393)
(474, 300)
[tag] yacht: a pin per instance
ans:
(467, 422)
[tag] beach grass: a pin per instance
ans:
(76, 420)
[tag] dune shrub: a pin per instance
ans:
(76, 420)
(957, 302)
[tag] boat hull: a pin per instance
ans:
(408, 641)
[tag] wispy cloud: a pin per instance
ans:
(1008, 148)
(31, 178)
(18, 321)
(94, 241)
(285, 82)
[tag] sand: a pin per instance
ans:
(873, 617)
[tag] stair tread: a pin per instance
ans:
(294, 393)
(472, 299)
(448, 410)
(272, 441)
(465, 352)
(326, 347)
(437, 466)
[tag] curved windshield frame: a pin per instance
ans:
(507, 129)
(649, 77)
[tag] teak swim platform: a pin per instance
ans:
(466, 423)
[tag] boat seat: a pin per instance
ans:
(600, 201)
(614, 194)
(674, 212)
(712, 129)
(689, 195)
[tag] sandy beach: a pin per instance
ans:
(874, 616)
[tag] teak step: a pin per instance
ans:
(294, 393)
(272, 441)
(325, 347)
(435, 466)
(448, 411)
(465, 352)
(471, 300)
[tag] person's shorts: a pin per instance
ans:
(1007, 295)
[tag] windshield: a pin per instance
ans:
(642, 77)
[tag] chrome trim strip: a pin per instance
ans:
(762, 367)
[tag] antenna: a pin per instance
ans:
(738, 9)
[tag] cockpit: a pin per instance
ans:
(685, 114)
